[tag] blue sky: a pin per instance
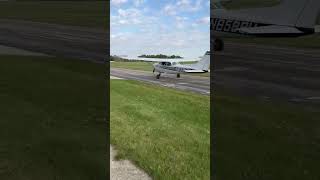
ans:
(179, 27)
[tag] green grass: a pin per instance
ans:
(264, 140)
(142, 66)
(80, 13)
(52, 119)
(164, 131)
(146, 66)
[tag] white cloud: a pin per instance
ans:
(132, 12)
(142, 30)
(118, 2)
(119, 36)
(181, 22)
(170, 9)
(204, 20)
(138, 2)
(166, 42)
(187, 6)
(183, 3)
(182, 6)
(131, 16)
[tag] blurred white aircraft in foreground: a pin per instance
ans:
(290, 18)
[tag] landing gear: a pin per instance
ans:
(158, 76)
(218, 45)
(178, 75)
(153, 70)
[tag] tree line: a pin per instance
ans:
(160, 56)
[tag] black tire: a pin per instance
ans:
(218, 45)
(158, 76)
(178, 75)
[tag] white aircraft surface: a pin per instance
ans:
(290, 18)
(155, 59)
(174, 67)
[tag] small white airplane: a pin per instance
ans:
(174, 67)
(290, 18)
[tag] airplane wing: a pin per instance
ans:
(194, 71)
(271, 30)
(155, 59)
(146, 59)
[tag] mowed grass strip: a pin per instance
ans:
(78, 13)
(164, 131)
(263, 140)
(52, 123)
(142, 66)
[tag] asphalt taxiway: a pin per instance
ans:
(185, 82)
(56, 40)
(270, 73)
(265, 72)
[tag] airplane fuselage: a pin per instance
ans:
(252, 22)
(231, 27)
(174, 69)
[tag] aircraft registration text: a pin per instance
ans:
(229, 25)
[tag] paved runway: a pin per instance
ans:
(57, 40)
(271, 73)
(263, 72)
(185, 82)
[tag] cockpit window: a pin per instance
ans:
(165, 63)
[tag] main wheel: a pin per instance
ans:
(218, 45)
(178, 75)
(158, 76)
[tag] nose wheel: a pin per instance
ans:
(178, 75)
(218, 45)
(158, 76)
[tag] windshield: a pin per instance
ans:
(165, 63)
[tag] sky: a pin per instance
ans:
(179, 27)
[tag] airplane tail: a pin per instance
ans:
(297, 13)
(204, 63)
